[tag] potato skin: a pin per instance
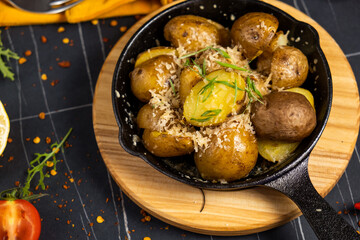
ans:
(194, 33)
(148, 117)
(153, 52)
(289, 67)
(254, 32)
(284, 116)
(188, 79)
(232, 162)
(145, 76)
(166, 145)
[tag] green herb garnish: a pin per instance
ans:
(6, 54)
(172, 86)
(228, 65)
(208, 115)
(220, 51)
(37, 167)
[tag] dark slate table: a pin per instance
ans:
(66, 99)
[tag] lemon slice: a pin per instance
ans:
(4, 128)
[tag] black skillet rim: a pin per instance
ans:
(230, 186)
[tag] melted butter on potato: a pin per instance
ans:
(231, 155)
(212, 106)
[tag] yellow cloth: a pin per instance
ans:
(84, 11)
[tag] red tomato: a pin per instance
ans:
(19, 220)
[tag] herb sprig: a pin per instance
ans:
(6, 54)
(207, 115)
(37, 167)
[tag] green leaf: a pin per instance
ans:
(222, 52)
(172, 86)
(195, 53)
(211, 113)
(6, 54)
(228, 65)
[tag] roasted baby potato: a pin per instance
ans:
(277, 151)
(210, 103)
(154, 52)
(152, 74)
(194, 33)
(148, 117)
(284, 116)
(254, 32)
(189, 77)
(162, 144)
(289, 67)
(232, 154)
(263, 63)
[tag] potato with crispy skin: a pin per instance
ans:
(254, 32)
(162, 144)
(231, 155)
(194, 33)
(284, 116)
(289, 67)
(148, 117)
(152, 74)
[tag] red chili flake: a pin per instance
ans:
(359, 223)
(68, 221)
(43, 39)
(10, 158)
(91, 224)
(27, 53)
(54, 82)
(17, 183)
(9, 140)
(64, 64)
(57, 219)
(105, 40)
(65, 187)
(357, 206)
(339, 212)
(27, 139)
(48, 140)
(107, 200)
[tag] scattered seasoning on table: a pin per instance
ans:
(100, 219)
(48, 140)
(10, 158)
(64, 64)
(43, 39)
(36, 140)
(22, 60)
(61, 29)
(113, 23)
(28, 53)
(357, 206)
(42, 115)
(54, 82)
(105, 40)
(123, 28)
(95, 22)
(9, 140)
(66, 40)
(44, 77)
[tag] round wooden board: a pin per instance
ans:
(233, 212)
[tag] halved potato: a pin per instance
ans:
(210, 102)
(154, 52)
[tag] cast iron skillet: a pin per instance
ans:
(290, 177)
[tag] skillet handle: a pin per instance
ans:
(323, 219)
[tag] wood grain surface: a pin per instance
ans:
(233, 212)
